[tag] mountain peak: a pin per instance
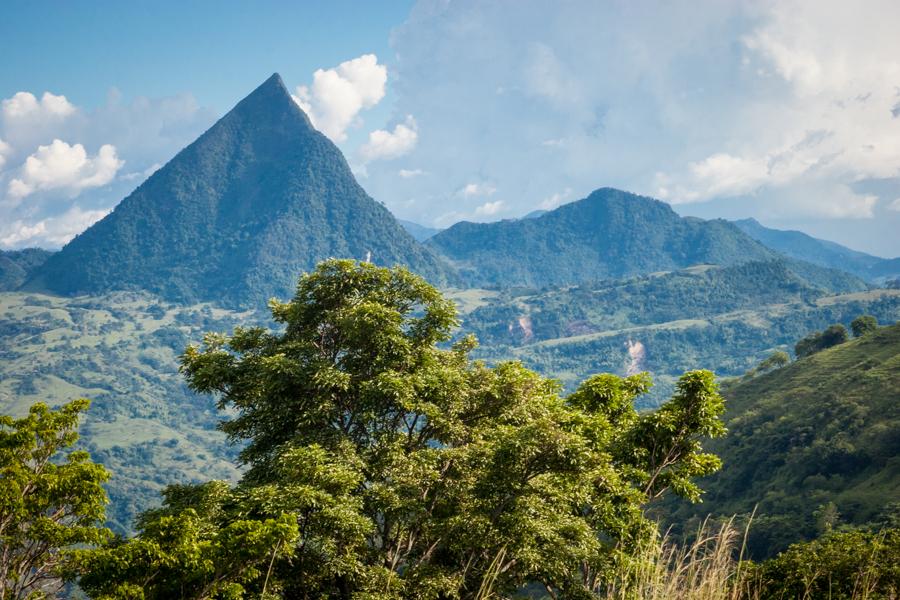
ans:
(237, 216)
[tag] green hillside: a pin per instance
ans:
(609, 234)
(724, 319)
(236, 216)
(799, 245)
(814, 444)
(119, 351)
(17, 265)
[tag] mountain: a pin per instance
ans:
(540, 212)
(821, 434)
(609, 234)
(236, 216)
(420, 232)
(821, 252)
(726, 319)
(17, 265)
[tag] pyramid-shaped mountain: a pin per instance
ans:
(236, 216)
(609, 234)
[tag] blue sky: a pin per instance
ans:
(785, 111)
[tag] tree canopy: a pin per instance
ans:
(48, 502)
(384, 464)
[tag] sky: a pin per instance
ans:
(787, 112)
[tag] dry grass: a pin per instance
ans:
(709, 568)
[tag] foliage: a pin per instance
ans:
(196, 546)
(47, 502)
(411, 471)
(812, 444)
(820, 340)
(845, 565)
(121, 351)
(863, 324)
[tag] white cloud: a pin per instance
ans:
(471, 190)
(24, 105)
(60, 166)
(489, 208)
(336, 96)
(5, 149)
(895, 205)
(753, 108)
(410, 173)
(555, 199)
(385, 145)
(51, 232)
(141, 175)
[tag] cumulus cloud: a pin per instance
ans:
(336, 96)
(780, 110)
(489, 208)
(60, 166)
(52, 232)
(895, 205)
(410, 173)
(24, 105)
(385, 145)
(555, 199)
(5, 149)
(471, 190)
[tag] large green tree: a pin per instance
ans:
(48, 502)
(410, 471)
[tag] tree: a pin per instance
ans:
(776, 360)
(411, 471)
(863, 324)
(47, 502)
(817, 341)
(188, 549)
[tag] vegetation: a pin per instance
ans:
(609, 234)
(718, 318)
(846, 565)
(48, 502)
(235, 216)
(820, 340)
(380, 465)
(120, 350)
(863, 325)
(813, 445)
(820, 252)
(17, 265)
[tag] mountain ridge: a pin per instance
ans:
(236, 216)
(803, 246)
(608, 234)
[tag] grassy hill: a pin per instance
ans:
(723, 319)
(816, 440)
(120, 351)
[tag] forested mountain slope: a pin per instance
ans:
(237, 216)
(812, 445)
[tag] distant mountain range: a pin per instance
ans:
(799, 245)
(610, 234)
(420, 232)
(236, 216)
(262, 196)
